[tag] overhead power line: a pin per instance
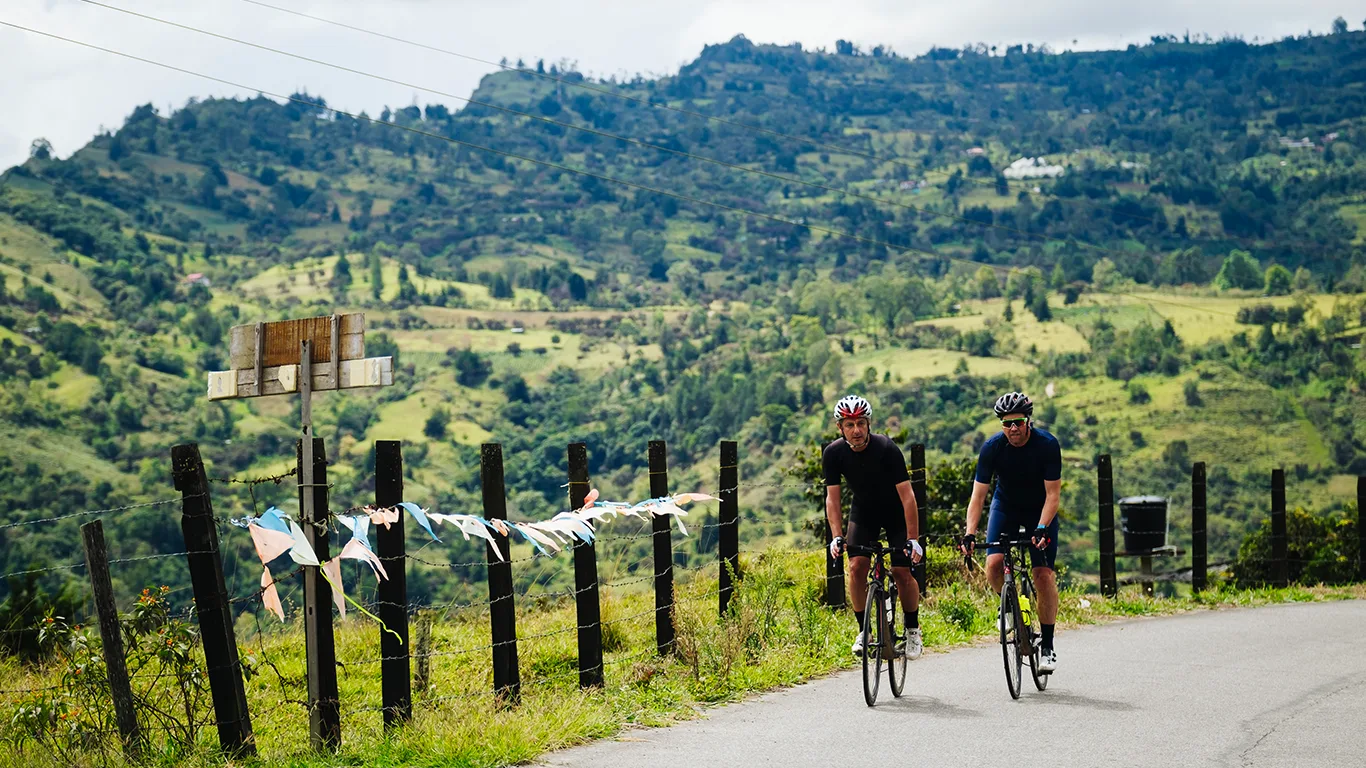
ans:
(906, 249)
(806, 140)
(617, 137)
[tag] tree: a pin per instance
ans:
(1305, 280)
(40, 149)
(435, 428)
(516, 389)
(1192, 393)
(341, 274)
(1239, 271)
(988, 287)
(1339, 26)
(376, 275)
(1104, 275)
(1041, 309)
(1058, 279)
(1182, 267)
(1009, 314)
(471, 369)
(1279, 281)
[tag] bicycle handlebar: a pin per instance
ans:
(874, 549)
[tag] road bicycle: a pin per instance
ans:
(1018, 620)
(884, 631)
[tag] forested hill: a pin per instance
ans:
(868, 224)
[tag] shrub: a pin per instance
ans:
(1321, 549)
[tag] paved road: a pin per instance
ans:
(1275, 686)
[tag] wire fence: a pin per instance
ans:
(623, 561)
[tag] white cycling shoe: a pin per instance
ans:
(857, 647)
(915, 644)
(1048, 660)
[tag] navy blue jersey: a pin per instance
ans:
(872, 473)
(1020, 472)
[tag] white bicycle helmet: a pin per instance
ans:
(853, 407)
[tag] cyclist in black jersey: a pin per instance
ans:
(1027, 464)
(876, 472)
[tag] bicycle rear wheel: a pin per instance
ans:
(1010, 638)
(1035, 634)
(896, 645)
(872, 646)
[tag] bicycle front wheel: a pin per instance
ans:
(872, 646)
(1034, 636)
(1009, 619)
(895, 645)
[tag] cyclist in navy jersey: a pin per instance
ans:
(876, 472)
(1027, 464)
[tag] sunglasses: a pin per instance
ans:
(1009, 423)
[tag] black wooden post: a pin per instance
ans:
(1361, 527)
(663, 550)
(396, 685)
(1105, 492)
(1199, 554)
(1278, 543)
(507, 678)
(728, 521)
(589, 610)
(116, 670)
(834, 569)
(918, 478)
(324, 706)
(211, 603)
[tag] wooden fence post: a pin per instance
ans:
(589, 610)
(1105, 493)
(324, 706)
(918, 479)
(507, 677)
(728, 522)
(120, 689)
(662, 530)
(395, 670)
(1278, 543)
(212, 611)
(1199, 553)
(1361, 527)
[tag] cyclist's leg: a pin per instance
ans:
(859, 566)
(1045, 579)
(997, 524)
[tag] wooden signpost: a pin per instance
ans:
(308, 355)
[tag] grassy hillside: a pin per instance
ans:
(535, 306)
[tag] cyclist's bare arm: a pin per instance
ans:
(1053, 492)
(911, 510)
(979, 498)
(832, 511)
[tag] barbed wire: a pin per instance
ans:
(110, 510)
(277, 479)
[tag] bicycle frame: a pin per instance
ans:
(879, 591)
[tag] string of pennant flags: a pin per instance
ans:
(274, 533)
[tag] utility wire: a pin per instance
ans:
(647, 102)
(617, 137)
(906, 249)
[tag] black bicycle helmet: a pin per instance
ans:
(1014, 402)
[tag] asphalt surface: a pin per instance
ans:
(1274, 686)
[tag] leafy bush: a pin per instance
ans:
(1320, 549)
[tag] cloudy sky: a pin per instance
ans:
(66, 93)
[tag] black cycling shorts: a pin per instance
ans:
(864, 531)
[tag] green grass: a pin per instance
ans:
(907, 364)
